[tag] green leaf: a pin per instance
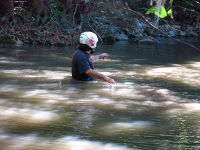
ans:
(171, 1)
(169, 12)
(162, 13)
(151, 10)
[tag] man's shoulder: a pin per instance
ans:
(80, 53)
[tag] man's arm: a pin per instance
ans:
(98, 75)
(98, 57)
(95, 58)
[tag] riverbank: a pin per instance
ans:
(109, 21)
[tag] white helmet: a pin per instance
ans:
(89, 38)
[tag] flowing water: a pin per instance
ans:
(154, 106)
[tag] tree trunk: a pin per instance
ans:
(69, 4)
(7, 10)
(197, 3)
(35, 6)
(39, 8)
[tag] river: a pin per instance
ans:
(155, 104)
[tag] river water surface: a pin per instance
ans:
(155, 104)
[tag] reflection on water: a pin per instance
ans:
(154, 105)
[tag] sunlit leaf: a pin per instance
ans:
(162, 13)
(169, 12)
(151, 10)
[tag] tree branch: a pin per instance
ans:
(150, 24)
(196, 2)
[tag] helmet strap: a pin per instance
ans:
(92, 51)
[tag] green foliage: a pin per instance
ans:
(171, 1)
(169, 12)
(65, 24)
(56, 9)
(151, 10)
(55, 5)
(161, 13)
(23, 14)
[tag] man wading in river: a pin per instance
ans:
(82, 62)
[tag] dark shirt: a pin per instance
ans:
(81, 62)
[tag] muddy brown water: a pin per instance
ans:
(154, 105)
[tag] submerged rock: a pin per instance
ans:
(121, 37)
(192, 33)
(11, 40)
(7, 39)
(147, 39)
(108, 39)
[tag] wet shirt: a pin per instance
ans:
(81, 62)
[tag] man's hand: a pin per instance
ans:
(110, 80)
(95, 74)
(103, 56)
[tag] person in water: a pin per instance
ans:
(82, 61)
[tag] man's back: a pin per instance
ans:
(81, 62)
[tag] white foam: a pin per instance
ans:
(64, 143)
(27, 115)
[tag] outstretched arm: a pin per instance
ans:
(98, 57)
(98, 75)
